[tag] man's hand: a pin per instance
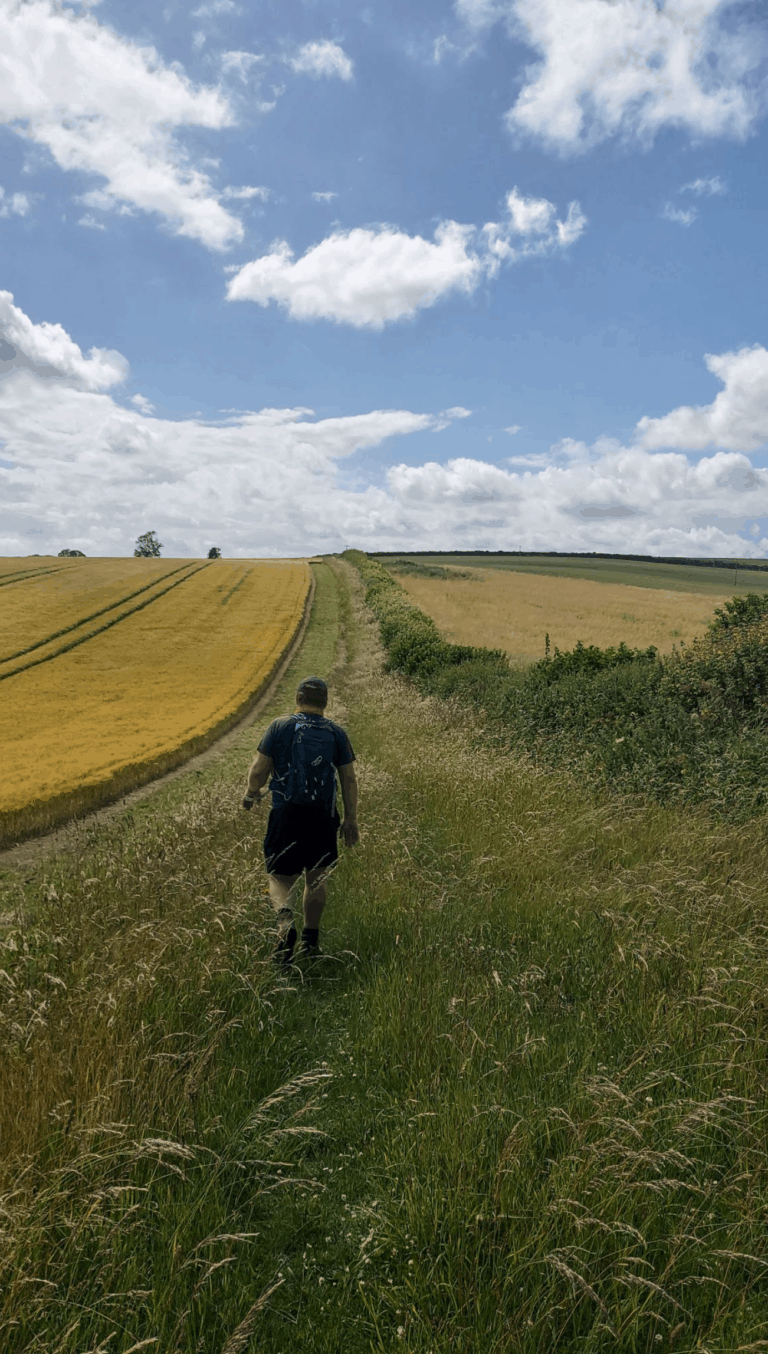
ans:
(349, 833)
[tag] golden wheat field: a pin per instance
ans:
(515, 611)
(108, 666)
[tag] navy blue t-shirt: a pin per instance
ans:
(278, 742)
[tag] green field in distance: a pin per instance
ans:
(703, 578)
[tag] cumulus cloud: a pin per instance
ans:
(77, 465)
(264, 482)
(324, 197)
(628, 68)
(605, 498)
(366, 278)
(48, 350)
(736, 419)
(322, 59)
(15, 205)
(101, 104)
(369, 278)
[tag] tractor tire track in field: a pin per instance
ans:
(24, 575)
(83, 639)
(68, 629)
(27, 853)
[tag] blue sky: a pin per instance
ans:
(289, 277)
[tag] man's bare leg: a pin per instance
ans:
(280, 888)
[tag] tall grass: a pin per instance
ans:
(533, 1058)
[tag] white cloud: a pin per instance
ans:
(240, 62)
(49, 350)
(606, 497)
(736, 419)
(262, 483)
(443, 47)
(628, 68)
(215, 8)
(77, 465)
(515, 428)
(531, 228)
(17, 204)
(245, 194)
(267, 483)
(324, 197)
(199, 39)
(369, 278)
(91, 222)
(322, 58)
(481, 13)
(366, 278)
(103, 105)
(102, 202)
(676, 214)
(705, 187)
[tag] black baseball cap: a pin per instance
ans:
(314, 690)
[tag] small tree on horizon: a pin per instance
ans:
(147, 546)
(72, 554)
(214, 552)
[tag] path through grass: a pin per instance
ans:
(519, 1106)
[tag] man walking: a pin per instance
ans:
(301, 753)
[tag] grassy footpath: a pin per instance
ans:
(519, 1106)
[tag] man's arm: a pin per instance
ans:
(258, 776)
(348, 780)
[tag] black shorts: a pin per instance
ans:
(299, 838)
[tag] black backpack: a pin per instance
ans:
(311, 777)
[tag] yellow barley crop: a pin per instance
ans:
(100, 704)
(37, 605)
(498, 608)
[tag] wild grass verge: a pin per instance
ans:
(533, 1057)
